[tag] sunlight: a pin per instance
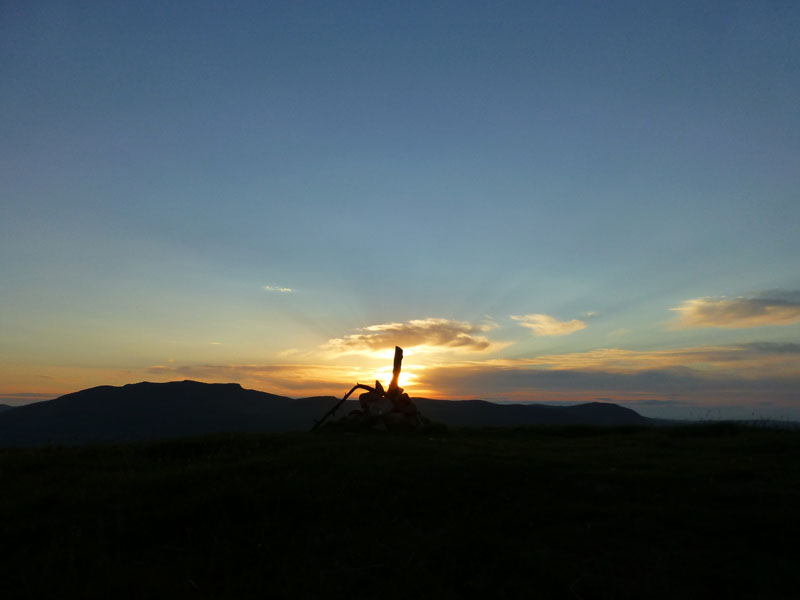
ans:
(406, 380)
(388, 354)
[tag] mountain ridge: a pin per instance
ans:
(146, 411)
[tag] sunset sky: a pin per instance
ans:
(540, 201)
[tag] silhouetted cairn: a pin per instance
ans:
(379, 409)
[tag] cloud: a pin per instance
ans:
(547, 325)
(521, 378)
(26, 396)
(279, 289)
(21, 398)
(742, 360)
(772, 308)
(772, 347)
(649, 402)
(418, 333)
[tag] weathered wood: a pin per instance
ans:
(331, 412)
(398, 364)
(401, 403)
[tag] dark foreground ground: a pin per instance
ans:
(565, 513)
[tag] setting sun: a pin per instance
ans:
(405, 381)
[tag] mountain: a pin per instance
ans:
(4, 407)
(479, 413)
(152, 411)
(145, 411)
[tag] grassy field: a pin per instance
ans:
(697, 512)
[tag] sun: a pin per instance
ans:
(406, 377)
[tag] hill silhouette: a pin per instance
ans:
(5, 407)
(147, 411)
(480, 413)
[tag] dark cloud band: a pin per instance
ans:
(778, 308)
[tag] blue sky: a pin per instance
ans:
(165, 169)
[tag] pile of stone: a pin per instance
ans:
(379, 408)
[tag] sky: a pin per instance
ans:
(540, 201)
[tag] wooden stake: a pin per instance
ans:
(398, 364)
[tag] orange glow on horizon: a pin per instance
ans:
(405, 381)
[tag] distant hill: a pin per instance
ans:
(479, 413)
(153, 411)
(145, 411)
(5, 407)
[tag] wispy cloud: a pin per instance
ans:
(619, 332)
(279, 289)
(772, 308)
(13, 399)
(743, 360)
(418, 333)
(546, 325)
(26, 396)
(772, 347)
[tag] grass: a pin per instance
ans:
(541, 512)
